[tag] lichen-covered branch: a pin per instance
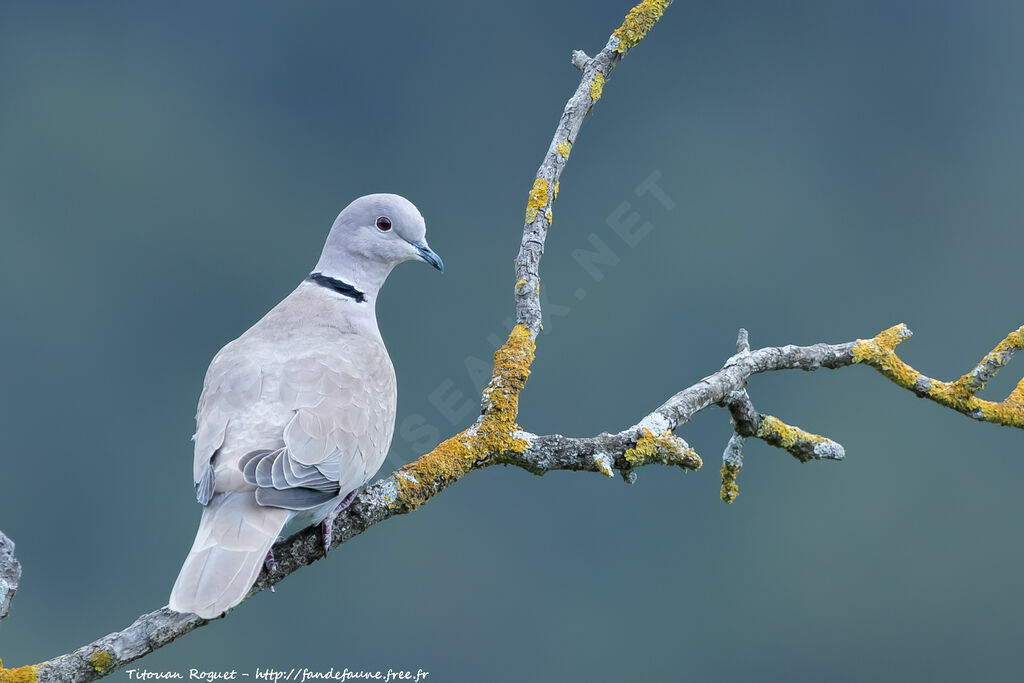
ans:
(960, 395)
(539, 216)
(495, 434)
(496, 438)
(732, 463)
(495, 431)
(747, 422)
(878, 352)
(650, 441)
(604, 453)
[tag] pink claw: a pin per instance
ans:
(327, 526)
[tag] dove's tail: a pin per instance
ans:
(234, 537)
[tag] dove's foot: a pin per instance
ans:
(327, 526)
(269, 562)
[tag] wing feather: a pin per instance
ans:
(232, 386)
(337, 404)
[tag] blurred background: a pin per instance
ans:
(168, 173)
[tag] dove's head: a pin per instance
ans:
(371, 236)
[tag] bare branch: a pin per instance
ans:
(10, 574)
(747, 422)
(742, 341)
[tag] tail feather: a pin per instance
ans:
(233, 539)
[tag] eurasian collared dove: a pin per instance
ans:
(298, 412)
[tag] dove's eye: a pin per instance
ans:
(383, 223)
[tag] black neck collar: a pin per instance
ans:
(343, 288)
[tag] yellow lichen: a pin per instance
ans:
(493, 433)
(597, 86)
(563, 148)
(880, 354)
(959, 395)
(777, 432)
(665, 448)
(22, 674)
(100, 660)
(643, 449)
(637, 23)
(538, 199)
(956, 395)
(520, 285)
(730, 489)
(1010, 412)
(555, 194)
(774, 431)
(952, 394)
(1014, 340)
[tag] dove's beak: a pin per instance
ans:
(427, 255)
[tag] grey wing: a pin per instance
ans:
(282, 482)
(344, 412)
(233, 384)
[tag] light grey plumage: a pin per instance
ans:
(298, 411)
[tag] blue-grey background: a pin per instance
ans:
(168, 173)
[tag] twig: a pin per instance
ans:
(10, 574)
